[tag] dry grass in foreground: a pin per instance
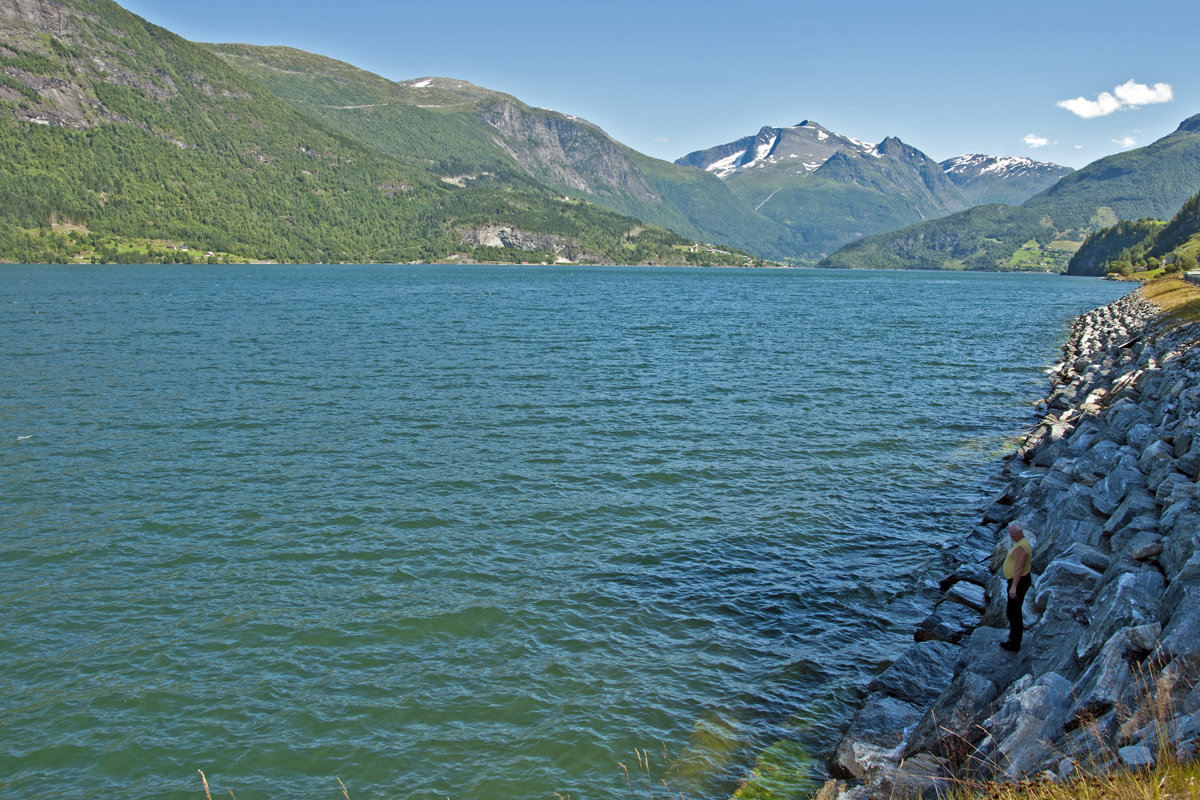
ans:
(1178, 298)
(1172, 781)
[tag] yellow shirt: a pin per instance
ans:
(1010, 562)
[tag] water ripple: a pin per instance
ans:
(477, 532)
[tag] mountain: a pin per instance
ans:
(1130, 245)
(1151, 181)
(121, 140)
(1011, 180)
(459, 131)
(1127, 241)
(856, 193)
(802, 148)
(831, 189)
(1183, 229)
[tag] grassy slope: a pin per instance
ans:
(1151, 181)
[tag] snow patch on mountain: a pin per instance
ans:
(725, 166)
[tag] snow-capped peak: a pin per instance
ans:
(1004, 166)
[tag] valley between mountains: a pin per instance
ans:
(124, 142)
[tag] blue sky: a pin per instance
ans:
(670, 77)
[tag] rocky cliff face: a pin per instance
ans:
(563, 151)
(1109, 669)
(63, 64)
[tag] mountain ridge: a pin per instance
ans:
(458, 129)
(111, 125)
(985, 179)
(832, 189)
(136, 142)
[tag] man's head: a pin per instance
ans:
(1016, 532)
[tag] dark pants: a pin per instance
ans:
(1013, 611)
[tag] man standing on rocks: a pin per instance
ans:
(1017, 567)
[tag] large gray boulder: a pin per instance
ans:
(949, 622)
(1137, 502)
(920, 674)
(951, 727)
(1072, 518)
(1181, 505)
(1136, 757)
(1083, 439)
(1181, 633)
(1132, 599)
(1139, 435)
(876, 737)
(981, 654)
(1096, 462)
(1051, 645)
(1109, 491)
(968, 594)
(1146, 523)
(1021, 734)
(922, 777)
(1121, 417)
(1188, 461)
(1175, 488)
(1155, 453)
(1068, 577)
(1181, 545)
(973, 570)
(1110, 676)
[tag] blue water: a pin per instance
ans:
(479, 532)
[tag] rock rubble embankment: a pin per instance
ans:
(1107, 676)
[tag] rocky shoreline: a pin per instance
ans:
(1106, 486)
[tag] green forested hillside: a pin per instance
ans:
(1151, 181)
(459, 130)
(980, 238)
(1127, 241)
(1183, 228)
(1130, 246)
(114, 131)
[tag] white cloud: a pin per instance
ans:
(1035, 141)
(1102, 106)
(1129, 94)
(1139, 94)
(661, 139)
(1126, 141)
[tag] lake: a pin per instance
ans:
(481, 532)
